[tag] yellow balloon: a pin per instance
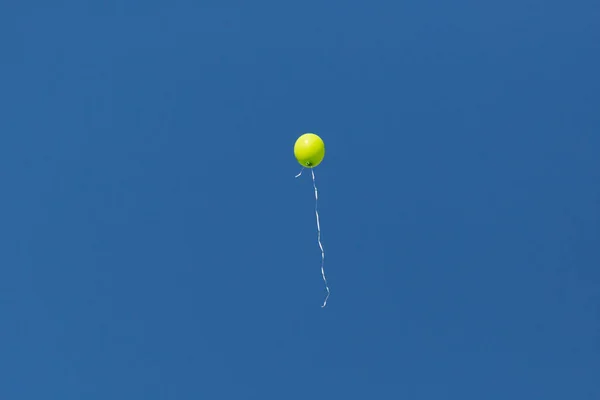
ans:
(309, 150)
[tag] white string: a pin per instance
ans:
(319, 238)
(319, 234)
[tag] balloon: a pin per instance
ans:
(309, 150)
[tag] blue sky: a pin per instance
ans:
(155, 244)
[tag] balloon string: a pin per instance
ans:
(319, 238)
(300, 172)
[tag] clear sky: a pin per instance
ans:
(154, 243)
